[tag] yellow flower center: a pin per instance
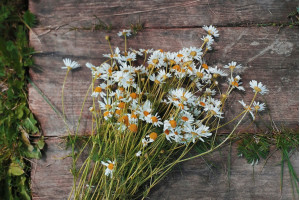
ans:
(108, 106)
(154, 119)
(181, 105)
(193, 133)
(110, 166)
(213, 112)
(122, 89)
(257, 89)
(167, 132)
(155, 61)
(215, 75)
(176, 67)
(150, 66)
(153, 135)
(172, 62)
(157, 81)
(133, 95)
(193, 53)
(106, 113)
(205, 66)
(184, 118)
(199, 75)
(179, 55)
(124, 119)
(98, 89)
(110, 71)
(183, 98)
(202, 103)
(133, 128)
(146, 113)
(256, 107)
(133, 116)
(173, 123)
(234, 83)
(118, 112)
(121, 105)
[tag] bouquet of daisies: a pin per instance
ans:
(146, 117)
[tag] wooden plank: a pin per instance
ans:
(267, 55)
(163, 13)
(200, 178)
(50, 176)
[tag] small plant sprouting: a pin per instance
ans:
(253, 147)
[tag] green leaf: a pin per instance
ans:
(36, 153)
(30, 124)
(23, 191)
(15, 169)
(41, 143)
(29, 18)
(4, 13)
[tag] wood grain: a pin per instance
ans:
(201, 178)
(267, 55)
(160, 14)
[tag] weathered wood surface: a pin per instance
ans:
(201, 178)
(268, 55)
(160, 14)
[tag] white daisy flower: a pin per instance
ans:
(91, 66)
(258, 87)
(146, 51)
(233, 65)
(124, 32)
(128, 57)
(170, 124)
(137, 52)
(195, 53)
(116, 54)
(162, 73)
(69, 64)
(186, 117)
(154, 119)
(247, 108)
(99, 91)
(217, 72)
(157, 79)
(109, 167)
(145, 142)
(156, 59)
(107, 115)
(133, 119)
(258, 106)
(145, 110)
(211, 30)
(138, 154)
(236, 83)
(106, 105)
(209, 92)
(208, 39)
(213, 110)
(140, 69)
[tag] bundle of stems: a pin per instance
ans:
(147, 118)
